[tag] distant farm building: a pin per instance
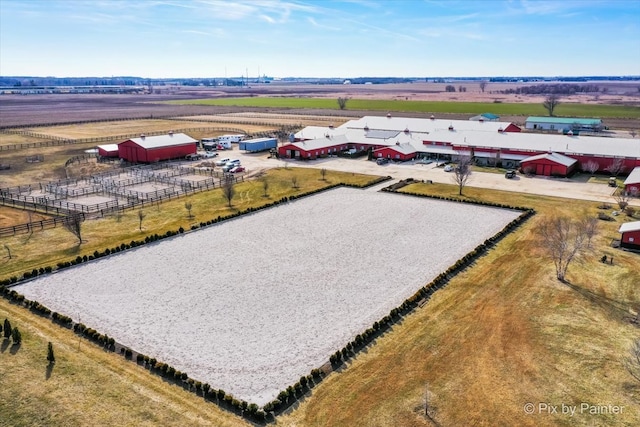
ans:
(489, 143)
(149, 149)
(630, 235)
(549, 164)
(108, 150)
(485, 117)
(563, 124)
(632, 183)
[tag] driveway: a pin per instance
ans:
(574, 188)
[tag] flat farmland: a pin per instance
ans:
(14, 138)
(115, 128)
(252, 304)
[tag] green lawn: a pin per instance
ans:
(569, 110)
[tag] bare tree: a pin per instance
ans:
(188, 206)
(550, 103)
(323, 173)
(632, 362)
(294, 181)
(590, 227)
(228, 190)
(616, 167)
(591, 166)
(622, 198)
(141, 216)
(265, 186)
(8, 251)
(73, 224)
(564, 240)
(633, 133)
(483, 86)
(342, 102)
(462, 172)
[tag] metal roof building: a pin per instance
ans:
(148, 149)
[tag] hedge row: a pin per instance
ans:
(288, 396)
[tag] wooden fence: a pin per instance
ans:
(33, 226)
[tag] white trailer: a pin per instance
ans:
(230, 138)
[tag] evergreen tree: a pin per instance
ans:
(50, 356)
(16, 335)
(7, 328)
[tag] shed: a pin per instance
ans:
(148, 149)
(549, 164)
(485, 117)
(560, 124)
(402, 152)
(630, 235)
(632, 183)
(108, 150)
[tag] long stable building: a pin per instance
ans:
(488, 142)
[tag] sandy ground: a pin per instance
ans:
(252, 304)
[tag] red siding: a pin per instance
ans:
(546, 167)
(390, 153)
(512, 128)
(104, 153)
(132, 152)
(631, 239)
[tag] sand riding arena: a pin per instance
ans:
(251, 304)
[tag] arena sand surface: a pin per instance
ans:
(252, 304)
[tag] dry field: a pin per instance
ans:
(224, 286)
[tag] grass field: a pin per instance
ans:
(114, 128)
(12, 138)
(502, 334)
(569, 110)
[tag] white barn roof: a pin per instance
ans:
(629, 226)
(422, 125)
(554, 157)
(634, 177)
(163, 140)
(109, 148)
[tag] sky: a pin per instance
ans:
(319, 38)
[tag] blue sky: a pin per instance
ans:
(319, 38)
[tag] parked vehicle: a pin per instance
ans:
(258, 144)
(210, 154)
(448, 168)
(229, 166)
(234, 162)
(222, 162)
(612, 181)
(194, 156)
(510, 174)
(237, 169)
(230, 138)
(382, 161)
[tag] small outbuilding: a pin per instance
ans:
(549, 164)
(630, 235)
(108, 150)
(401, 152)
(563, 124)
(485, 117)
(149, 149)
(632, 183)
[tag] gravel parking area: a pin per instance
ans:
(252, 304)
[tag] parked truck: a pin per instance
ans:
(258, 144)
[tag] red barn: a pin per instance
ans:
(632, 183)
(401, 152)
(630, 235)
(149, 149)
(549, 164)
(314, 148)
(108, 150)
